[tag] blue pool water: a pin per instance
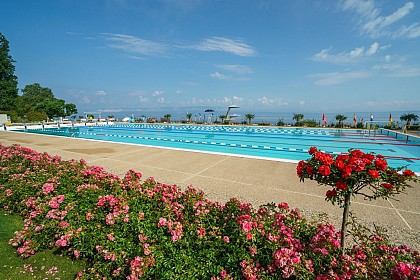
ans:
(263, 142)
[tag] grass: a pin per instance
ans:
(42, 265)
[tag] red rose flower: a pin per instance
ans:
(357, 153)
(346, 172)
(373, 173)
(331, 193)
(408, 173)
(339, 164)
(327, 159)
(341, 185)
(369, 157)
(299, 168)
(381, 164)
(387, 186)
(309, 170)
(324, 170)
(312, 150)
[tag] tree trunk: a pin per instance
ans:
(344, 222)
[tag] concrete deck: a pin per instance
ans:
(222, 177)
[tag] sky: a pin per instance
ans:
(178, 55)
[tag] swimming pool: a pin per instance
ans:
(290, 144)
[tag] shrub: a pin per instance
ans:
(280, 123)
(135, 228)
(33, 116)
(355, 173)
(309, 123)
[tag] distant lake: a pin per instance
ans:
(271, 117)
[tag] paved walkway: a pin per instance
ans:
(222, 177)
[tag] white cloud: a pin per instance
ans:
(157, 93)
(143, 99)
(237, 99)
(132, 44)
(272, 101)
(239, 69)
(100, 93)
(219, 76)
(334, 78)
(365, 8)
(412, 31)
(226, 99)
(265, 100)
(179, 91)
(398, 70)
(379, 23)
(85, 100)
(346, 57)
(302, 103)
(373, 49)
(160, 100)
(374, 24)
(357, 52)
(221, 44)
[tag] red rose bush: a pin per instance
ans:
(355, 173)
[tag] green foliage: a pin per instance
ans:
(34, 94)
(280, 123)
(359, 125)
(309, 123)
(71, 109)
(189, 115)
(8, 80)
(340, 119)
(44, 265)
(223, 119)
(249, 117)
(409, 117)
(35, 116)
(168, 117)
(298, 118)
(52, 108)
(14, 116)
(41, 99)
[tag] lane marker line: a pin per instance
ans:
(402, 218)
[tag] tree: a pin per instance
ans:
(33, 116)
(34, 94)
(8, 80)
(168, 117)
(355, 173)
(408, 118)
(71, 109)
(189, 115)
(222, 117)
(38, 98)
(53, 108)
(249, 117)
(340, 119)
(298, 118)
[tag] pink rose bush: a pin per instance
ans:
(135, 228)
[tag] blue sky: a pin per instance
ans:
(278, 56)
